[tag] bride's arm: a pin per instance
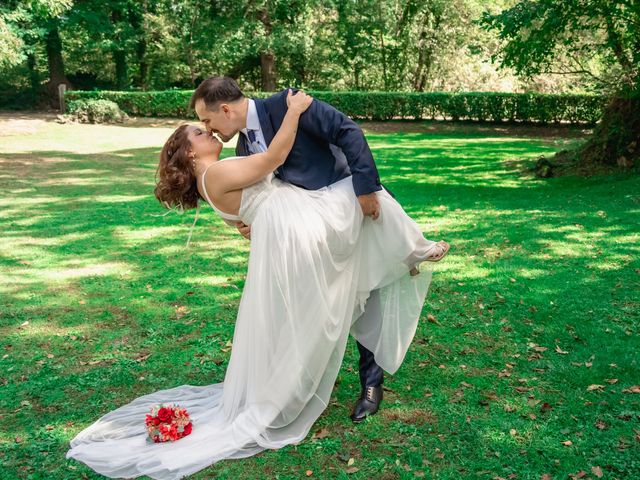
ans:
(237, 174)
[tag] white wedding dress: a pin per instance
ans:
(313, 262)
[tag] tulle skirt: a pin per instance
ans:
(313, 264)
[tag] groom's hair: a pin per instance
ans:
(214, 90)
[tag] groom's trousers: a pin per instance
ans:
(371, 374)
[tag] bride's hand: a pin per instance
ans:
(299, 101)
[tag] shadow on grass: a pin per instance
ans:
(102, 302)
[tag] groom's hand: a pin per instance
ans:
(245, 230)
(370, 205)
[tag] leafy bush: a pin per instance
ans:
(96, 111)
(475, 106)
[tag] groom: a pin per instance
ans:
(329, 146)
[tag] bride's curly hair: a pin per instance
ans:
(176, 185)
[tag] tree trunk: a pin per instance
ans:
(268, 67)
(418, 77)
(34, 78)
(267, 58)
(56, 65)
(382, 48)
(120, 58)
(615, 142)
(143, 65)
(119, 55)
(136, 20)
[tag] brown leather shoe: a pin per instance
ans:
(367, 404)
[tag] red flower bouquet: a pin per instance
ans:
(167, 423)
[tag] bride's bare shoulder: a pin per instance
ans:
(217, 176)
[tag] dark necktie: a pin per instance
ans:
(257, 147)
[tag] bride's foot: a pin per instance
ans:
(439, 251)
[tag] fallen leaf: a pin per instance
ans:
(320, 434)
(351, 461)
(545, 407)
(634, 389)
(309, 473)
(567, 443)
(597, 471)
(537, 348)
(559, 350)
(595, 386)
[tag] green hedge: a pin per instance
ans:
(479, 106)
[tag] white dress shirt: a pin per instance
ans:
(253, 123)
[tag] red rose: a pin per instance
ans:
(165, 415)
(187, 429)
(156, 421)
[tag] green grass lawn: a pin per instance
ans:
(523, 364)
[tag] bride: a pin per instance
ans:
(314, 260)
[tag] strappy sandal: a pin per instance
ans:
(442, 248)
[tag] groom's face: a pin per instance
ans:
(219, 121)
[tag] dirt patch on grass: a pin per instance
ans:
(16, 123)
(142, 122)
(414, 416)
(29, 123)
(23, 123)
(511, 130)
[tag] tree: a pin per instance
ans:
(11, 46)
(39, 22)
(535, 31)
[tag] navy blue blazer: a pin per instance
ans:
(311, 163)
